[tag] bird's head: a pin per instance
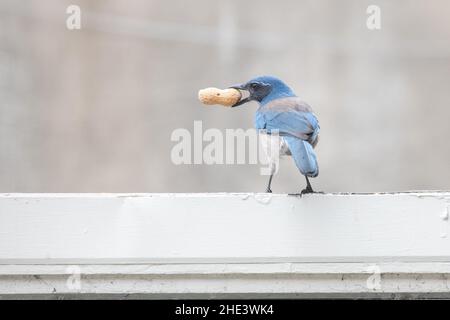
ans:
(263, 89)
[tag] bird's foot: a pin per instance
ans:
(268, 190)
(308, 189)
(304, 191)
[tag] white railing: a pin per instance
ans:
(225, 245)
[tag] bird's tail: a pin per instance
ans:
(304, 156)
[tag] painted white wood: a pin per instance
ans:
(255, 280)
(223, 228)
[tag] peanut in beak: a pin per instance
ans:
(226, 97)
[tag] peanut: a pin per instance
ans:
(226, 97)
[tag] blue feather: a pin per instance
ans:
(304, 156)
(281, 110)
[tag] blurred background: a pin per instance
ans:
(92, 110)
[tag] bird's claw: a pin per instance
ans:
(268, 190)
(306, 191)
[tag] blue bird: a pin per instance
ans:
(280, 109)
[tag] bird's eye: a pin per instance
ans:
(254, 85)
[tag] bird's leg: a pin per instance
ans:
(308, 188)
(270, 182)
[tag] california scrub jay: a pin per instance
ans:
(280, 109)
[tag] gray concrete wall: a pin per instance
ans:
(93, 110)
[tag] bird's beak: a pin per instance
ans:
(241, 87)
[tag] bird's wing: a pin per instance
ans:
(291, 117)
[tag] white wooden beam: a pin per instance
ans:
(256, 280)
(148, 228)
(225, 245)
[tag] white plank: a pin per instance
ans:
(254, 280)
(182, 228)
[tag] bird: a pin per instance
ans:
(281, 110)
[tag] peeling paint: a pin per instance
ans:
(245, 196)
(263, 198)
